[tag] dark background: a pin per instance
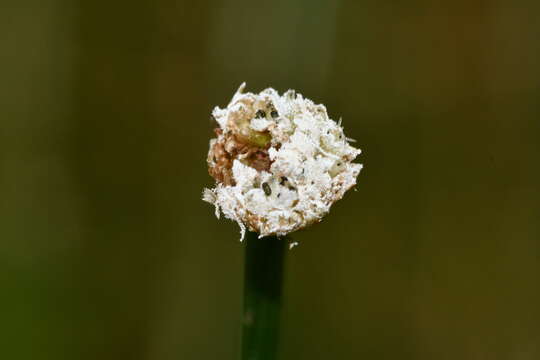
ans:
(107, 251)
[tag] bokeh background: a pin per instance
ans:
(107, 251)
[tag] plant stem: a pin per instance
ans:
(263, 276)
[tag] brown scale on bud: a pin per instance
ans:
(229, 147)
(240, 142)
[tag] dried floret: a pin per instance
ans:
(279, 162)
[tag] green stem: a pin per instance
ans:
(262, 297)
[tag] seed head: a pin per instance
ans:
(279, 173)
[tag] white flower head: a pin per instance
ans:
(279, 162)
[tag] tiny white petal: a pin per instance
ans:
(293, 244)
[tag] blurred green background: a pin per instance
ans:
(107, 251)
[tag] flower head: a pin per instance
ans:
(279, 162)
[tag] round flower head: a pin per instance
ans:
(279, 162)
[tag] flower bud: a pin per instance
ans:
(279, 162)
